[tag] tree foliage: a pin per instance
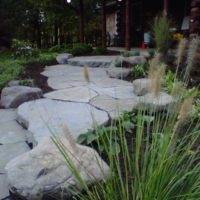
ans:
(48, 22)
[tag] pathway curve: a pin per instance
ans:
(73, 102)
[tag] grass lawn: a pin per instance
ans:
(12, 69)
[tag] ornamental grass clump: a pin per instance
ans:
(180, 52)
(158, 160)
(162, 34)
(192, 50)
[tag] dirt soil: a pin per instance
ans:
(33, 70)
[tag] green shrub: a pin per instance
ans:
(23, 49)
(152, 53)
(140, 70)
(9, 70)
(56, 48)
(130, 53)
(162, 34)
(61, 48)
(26, 82)
(100, 51)
(81, 49)
(118, 62)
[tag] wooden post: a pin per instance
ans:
(82, 21)
(127, 25)
(165, 6)
(195, 18)
(103, 16)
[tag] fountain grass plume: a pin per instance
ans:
(86, 73)
(192, 50)
(154, 64)
(184, 113)
(70, 138)
(180, 52)
(156, 79)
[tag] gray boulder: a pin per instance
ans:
(116, 72)
(141, 86)
(44, 171)
(161, 102)
(12, 97)
(135, 60)
(63, 58)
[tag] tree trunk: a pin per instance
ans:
(127, 25)
(165, 6)
(103, 16)
(82, 21)
(39, 36)
(195, 18)
(55, 34)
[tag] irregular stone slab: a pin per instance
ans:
(7, 115)
(45, 115)
(10, 151)
(4, 192)
(59, 84)
(164, 101)
(116, 72)
(72, 73)
(58, 70)
(76, 94)
(12, 132)
(44, 170)
(113, 106)
(146, 54)
(92, 61)
(135, 60)
(12, 97)
(111, 82)
(125, 92)
(141, 86)
(63, 58)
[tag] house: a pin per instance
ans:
(185, 15)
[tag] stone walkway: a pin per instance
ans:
(12, 144)
(74, 102)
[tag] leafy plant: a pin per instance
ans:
(162, 34)
(81, 49)
(130, 53)
(23, 49)
(118, 62)
(102, 137)
(100, 51)
(56, 48)
(140, 70)
(26, 82)
(152, 53)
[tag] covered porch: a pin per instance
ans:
(127, 21)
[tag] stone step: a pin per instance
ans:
(92, 61)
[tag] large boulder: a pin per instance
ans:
(116, 72)
(141, 86)
(92, 61)
(63, 58)
(44, 116)
(135, 60)
(43, 171)
(161, 102)
(12, 97)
